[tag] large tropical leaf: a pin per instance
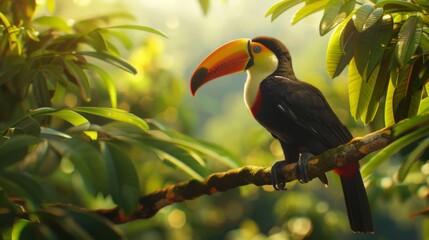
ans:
(371, 44)
(80, 78)
(15, 148)
(280, 7)
(335, 12)
(123, 180)
(393, 148)
(360, 92)
(408, 39)
(183, 158)
(108, 82)
(112, 59)
(140, 28)
(309, 8)
(21, 184)
(366, 16)
(412, 158)
(336, 58)
(114, 114)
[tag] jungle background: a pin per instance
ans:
(147, 74)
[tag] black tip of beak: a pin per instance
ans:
(198, 79)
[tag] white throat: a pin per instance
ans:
(255, 75)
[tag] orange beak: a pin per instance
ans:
(229, 58)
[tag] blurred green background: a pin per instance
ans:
(218, 114)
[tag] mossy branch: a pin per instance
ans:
(151, 203)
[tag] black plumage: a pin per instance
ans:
(298, 115)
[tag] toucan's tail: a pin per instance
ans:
(357, 203)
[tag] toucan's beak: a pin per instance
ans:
(232, 57)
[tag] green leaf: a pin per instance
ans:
(54, 23)
(96, 226)
(87, 161)
(61, 224)
(335, 12)
(81, 79)
(380, 87)
(424, 3)
(108, 81)
(123, 179)
(9, 212)
(206, 148)
(408, 39)
(23, 185)
(8, 72)
(424, 106)
(412, 158)
(366, 16)
(394, 6)
(114, 114)
(4, 20)
(53, 132)
(55, 73)
(391, 149)
(121, 36)
(42, 161)
(96, 40)
(408, 92)
(140, 28)
(389, 118)
(407, 125)
(28, 126)
(36, 231)
(308, 9)
(280, 7)
(65, 43)
(51, 4)
(40, 90)
(18, 227)
(60, 92)
(371, 44)
(183, 158)
(373, 104)
(360, 91)
(335, 57)
(68, 115)
(109, 58)
(205, 5)
(14, 149)
(32, 34)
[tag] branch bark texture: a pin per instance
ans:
(151, 203)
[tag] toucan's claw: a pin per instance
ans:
(279, 183)
(303, 168)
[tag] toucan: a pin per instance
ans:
(294, 112)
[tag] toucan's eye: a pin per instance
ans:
(257, 49)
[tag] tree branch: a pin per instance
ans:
(150, 204)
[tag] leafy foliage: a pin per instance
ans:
(387, 40)
(43, 60)
(385, 46)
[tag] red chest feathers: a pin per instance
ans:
(256, 106)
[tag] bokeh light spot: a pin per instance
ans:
(66, 166)
(70, 100)
(322, 207)
(176, 219)
(300, 226)
(425, 168)
(386, 182)
(423, 192)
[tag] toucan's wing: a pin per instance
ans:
(308, 108)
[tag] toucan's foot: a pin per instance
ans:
(303, 168)
(279, 183)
